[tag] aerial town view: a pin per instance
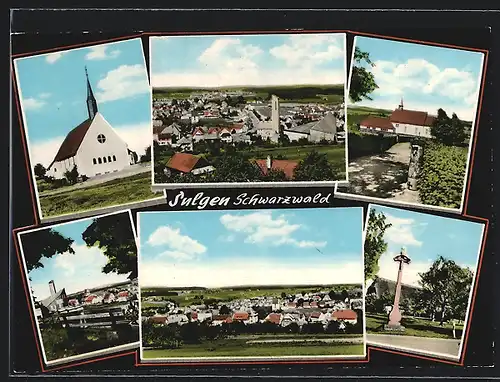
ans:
(246, 124)
(263, 301)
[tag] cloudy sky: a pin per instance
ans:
(74, 272)
(426, 237)
(427, 77)
(53, 93)
(262, 247)
(232, 60)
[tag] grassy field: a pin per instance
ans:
(239, 348)
(135, 188)
(223, 295)
(413, 327)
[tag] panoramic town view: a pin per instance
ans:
(410, 118)
(218, 304)
(218, 118)
(83, 283)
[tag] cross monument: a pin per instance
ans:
(395, 314)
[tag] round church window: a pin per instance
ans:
(101, 138)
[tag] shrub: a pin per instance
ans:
(442, 175)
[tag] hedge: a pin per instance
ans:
(442, 175)
(368, 144)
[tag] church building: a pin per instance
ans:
(93, 146)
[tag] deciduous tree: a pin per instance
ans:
(362, 80)
(315, 167)
(40, 171)
(375, 244)
(448, 131)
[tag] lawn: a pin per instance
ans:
(134, 188)
(418, 327)
(239, 348)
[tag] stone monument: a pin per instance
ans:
(414, 166)
(394, 323)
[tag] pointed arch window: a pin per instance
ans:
(99, 160)
(94, 161)
(104, 159)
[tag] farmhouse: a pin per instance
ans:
(346, 315)
(56, 300)
(123, 296)
(269, 164)
(92, 299)
(184, 163)
(401, 122)
(168, 135)
(93, 146)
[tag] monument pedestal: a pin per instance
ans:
(394, 328)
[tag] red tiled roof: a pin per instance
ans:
(194, 315)
(183, 162)
(346, 314)
(220, 317)
(412, 117)
(240, 316)
(123, 293)
(287, 166)
(90, 298)
(274, 318)
(72, 142)
(381, 123)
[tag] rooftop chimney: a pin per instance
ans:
(268, 162)
(52, 287)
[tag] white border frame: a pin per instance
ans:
(248, 358)
(392, 201)
(88, 212)
(249, 185)
(83, 356)
(471, 293)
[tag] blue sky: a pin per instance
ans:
(231, 60)
(223, 248)
(74, 272)
(425, 237)
(427, 77)
(53, 92)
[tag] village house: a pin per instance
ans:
(93, 299)
(346, 315)
(401, 122)
(109, 298)
(123, 296)
(168, 135)
(93, 146)
(269, 164)
(184, 163)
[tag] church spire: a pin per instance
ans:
(91, 101)
(401, 104)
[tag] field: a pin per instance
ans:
(418, 327)
(196, 296)
(299, 93)
(240, 347)
(135, 188)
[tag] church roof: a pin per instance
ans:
(72, 142)
(50, 300)
(327, 124)
(412, 117)
(380, 122)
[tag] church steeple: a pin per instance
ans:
(400, 107)
(91, 101)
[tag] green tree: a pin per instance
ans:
(448, 131)
(315, 167)
(40, 171)
(446, 286)
(44, 243)
(72, 176)
(113, 235)
(362, 80)
(234, 167)
(274, 175)
(375, 245)
(224, 310)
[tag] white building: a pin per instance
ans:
(93, 146)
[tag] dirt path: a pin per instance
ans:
(382, 175)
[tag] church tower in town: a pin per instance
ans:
(91, 101)
(275, 113)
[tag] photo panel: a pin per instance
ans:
(248, 110)
(411, 116)
(420, 272)
(82, 285)
(251, 285)
(86, 117)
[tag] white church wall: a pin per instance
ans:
(58, 169)
(294, 136)
(113, 148)
(414, 130)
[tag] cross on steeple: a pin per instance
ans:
(91, 101)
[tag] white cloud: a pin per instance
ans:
(101, 52)
(123, 82)
(230, 62)
(180, 247)
(75, 272)
(261, 227)
(137, 136)
(401, 231)
(32, 103)
(248, 272)
(53, 57)
(44, 152)
(44, 95)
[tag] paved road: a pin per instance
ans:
(350, 340)
(382, 175)
(129, 171)
(449, 347)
